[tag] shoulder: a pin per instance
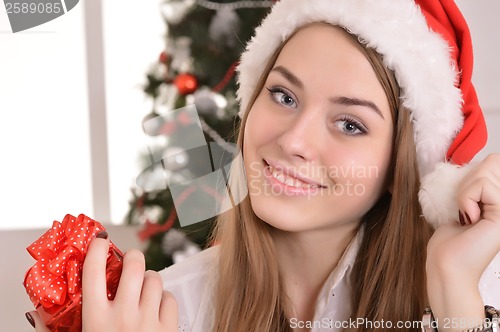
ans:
(192, 283)
(190, 269)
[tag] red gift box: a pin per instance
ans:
(54, 283)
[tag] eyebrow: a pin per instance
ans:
(289, 76)
(346, 101)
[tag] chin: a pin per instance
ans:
(284, 218)
(274, 215)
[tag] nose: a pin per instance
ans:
(301, 138)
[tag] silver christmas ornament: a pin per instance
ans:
(151, 124)
(173, 11)
(175, 158)
(224, 26)
(206, 101)
(182, 61)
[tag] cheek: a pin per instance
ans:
(255, 135)
(366, 167)
(260, 127)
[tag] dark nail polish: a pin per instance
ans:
(461, 217)
(468, 219)
(30, 319)
(102, 235)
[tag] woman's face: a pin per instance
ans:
(318, 139)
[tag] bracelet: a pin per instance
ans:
(428, 321)
(490, 324)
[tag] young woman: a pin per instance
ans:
(348, 108)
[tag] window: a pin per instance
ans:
(45, 122)
(44, 127)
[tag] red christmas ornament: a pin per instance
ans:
(186, 83)
(164, 57)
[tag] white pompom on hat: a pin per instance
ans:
(427, 44)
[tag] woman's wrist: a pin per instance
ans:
(455, 300)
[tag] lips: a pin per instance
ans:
(290, 180)
(296, 181)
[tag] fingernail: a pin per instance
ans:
(468, 218)
(30, 319)
(461, 217)
(102, 235)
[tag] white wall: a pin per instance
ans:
(482, 16)
(493, 124)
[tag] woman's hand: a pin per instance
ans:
(458, 255)
(140, 303)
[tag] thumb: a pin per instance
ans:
(36, 321)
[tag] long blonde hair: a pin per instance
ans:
(388, 276)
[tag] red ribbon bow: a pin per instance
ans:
(54, 282)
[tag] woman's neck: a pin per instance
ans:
(306, 259)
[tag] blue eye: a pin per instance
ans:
(350, 126)
(282, 97)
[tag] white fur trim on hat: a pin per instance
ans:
(438, 191)
(398, 31)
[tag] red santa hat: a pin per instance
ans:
(427, 44)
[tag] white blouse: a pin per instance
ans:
(192, 282)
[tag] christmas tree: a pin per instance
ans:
(204, 40)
